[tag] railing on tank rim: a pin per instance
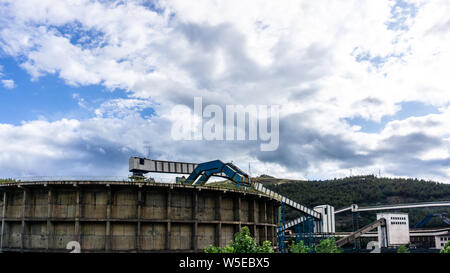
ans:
(150, 180)
(84, 178)
(70, 178)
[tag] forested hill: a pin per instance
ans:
(363, 190)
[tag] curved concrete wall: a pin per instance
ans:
(128, 217)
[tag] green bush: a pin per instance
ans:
(446, 248)
(215, 249)
(403, 249)
(242, 243)
(266, 247)
(327, 246)
(300, 248)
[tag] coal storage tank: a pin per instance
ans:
(113, 216)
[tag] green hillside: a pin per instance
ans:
(6, 180)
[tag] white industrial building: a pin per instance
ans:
(328, 224)
(396, 232)
(441, 240)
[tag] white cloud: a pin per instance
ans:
(322, 61)
(122, 107)
(9, 84)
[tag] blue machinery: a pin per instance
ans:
(199, 174)
(204, 171)
(443, 216)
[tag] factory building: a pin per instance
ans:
(397, 229)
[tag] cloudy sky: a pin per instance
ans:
(363, 86)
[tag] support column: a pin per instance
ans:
(139, 213)
(265, 233)
(255, 220)
(251, 210)
(252, 216)
(265, 212)
(219, 218)
(195, 218)
(49, 216)
(237, 212)
(274, 219)
(22, 231)
(274, 234)
(3, 221)
(168, 213)
(108, 217)
(265, 220)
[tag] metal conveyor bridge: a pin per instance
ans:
(200, 173)
(355, 208)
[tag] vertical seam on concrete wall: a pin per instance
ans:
(139, 215)
(237, 212)
(3, 221)
(77, 215)
(195, 218)
(265, 221)
(22, 235)
(253, 219)
(168, 212)
(108, 217)
(218, 218)
(49, 215)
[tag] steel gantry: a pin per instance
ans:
(199, 174)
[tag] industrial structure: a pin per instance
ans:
(200, 173)
(393, 227)
(129, 216)
(139, 215)
(396, 232)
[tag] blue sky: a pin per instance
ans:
(49, 97)
(85, 85)
(407, 109)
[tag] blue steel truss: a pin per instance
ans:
(281, 238)
(355, 223)
(204, 171)
(305, 232)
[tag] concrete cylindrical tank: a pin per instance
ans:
(112, 216)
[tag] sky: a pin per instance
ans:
(362, 85)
